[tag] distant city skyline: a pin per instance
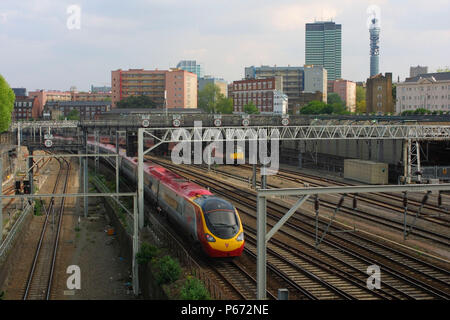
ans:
(40, 51)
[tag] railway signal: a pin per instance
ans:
(26, 187)
(131, 144)
(17, 187)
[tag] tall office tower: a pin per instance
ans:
(324, 47)
(374, 31)
(191, 66)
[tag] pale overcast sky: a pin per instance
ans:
(37, 50)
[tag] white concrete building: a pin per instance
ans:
(316, 80)
(427, 91)
(280, 102)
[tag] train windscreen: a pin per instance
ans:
(220, 218)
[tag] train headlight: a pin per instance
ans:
(209, 238)
(240, 237)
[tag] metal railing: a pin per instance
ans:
(161, 236)
(434, 172)
(9, 240)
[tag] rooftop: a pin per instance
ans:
(438, 76)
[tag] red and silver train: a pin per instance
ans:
(209, 220)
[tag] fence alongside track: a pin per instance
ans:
(15, 230)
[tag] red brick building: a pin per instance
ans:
(26, 108)
(259, 91)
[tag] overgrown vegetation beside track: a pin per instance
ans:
(169, 274)
(175, 280)
(110, 186)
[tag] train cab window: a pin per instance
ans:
(220, 218)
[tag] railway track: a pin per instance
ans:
(404, 276)
(239, 284)
(396, 222)
(39, 282)
(432, 212)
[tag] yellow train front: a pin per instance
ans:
(222, 231)
(237, 155)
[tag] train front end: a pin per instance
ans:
(223, 234)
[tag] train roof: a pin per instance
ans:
(177, 183)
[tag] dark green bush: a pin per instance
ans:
(169, 270)
(37, 208)
(194, 289)
(146, 253)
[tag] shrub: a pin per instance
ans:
(194, 289)
(169, 270)
(146, 253)
(37, 208)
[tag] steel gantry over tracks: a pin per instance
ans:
(317, 132)
(407, 133)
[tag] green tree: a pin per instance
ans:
(360, 99)
(250, 108)
(444, 69)
(360, 94)
(74, 114)
(315, 107)
(319, 107)
(338, 108)
(209, 97)
(421, 111)
(361, 106)
(7, 99)
(137, 102)
(334, 98)
(224, 105)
